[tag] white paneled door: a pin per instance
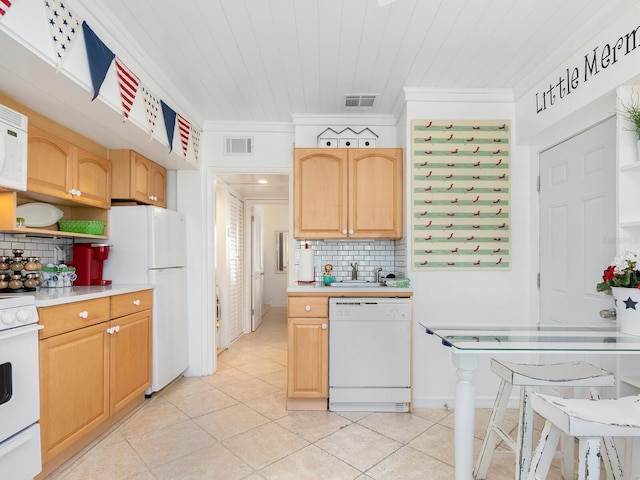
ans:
(257, 266)
(235, 256)
(577, 224)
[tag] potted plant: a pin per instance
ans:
(631, 112)
(622, 279)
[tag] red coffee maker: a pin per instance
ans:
(88, 258)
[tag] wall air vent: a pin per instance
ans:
(359, 101)
(238, 146)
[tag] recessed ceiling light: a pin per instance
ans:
(262, 181)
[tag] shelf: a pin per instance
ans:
(631, 167)
(10, 200)
(633, 380)
(631, 224)
(43, 232)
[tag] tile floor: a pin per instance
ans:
(234, 425)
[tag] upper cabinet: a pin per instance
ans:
(136, 178)
(58, 168)
(348, 193)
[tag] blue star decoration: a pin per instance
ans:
(630, 304)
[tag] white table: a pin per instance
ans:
(467, 342)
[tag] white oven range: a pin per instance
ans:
(19, 388)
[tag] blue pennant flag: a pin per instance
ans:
(169, 122)
(99, 56)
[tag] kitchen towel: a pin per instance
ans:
(306, 268)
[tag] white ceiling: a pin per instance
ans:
(263, 60)
(250, 185)
(266, 60)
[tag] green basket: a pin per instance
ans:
(88, 227)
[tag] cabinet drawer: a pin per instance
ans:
(71, 316)
(128, 303)
(308, 307)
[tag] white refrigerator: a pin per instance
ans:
(148, 246)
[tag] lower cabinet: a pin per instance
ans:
(130, 352)
(308, 353)
(93, 370)
(74, 387)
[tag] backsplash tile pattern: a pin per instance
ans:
(368, 254)
(43, 248)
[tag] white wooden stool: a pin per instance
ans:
(529, 377)
(590, 421)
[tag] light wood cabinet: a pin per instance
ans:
(348, 193)
(74, 387)
(58, 168)
(74, 373)
(308, 353)
(130, 348)
(136, 178)
(95, 365)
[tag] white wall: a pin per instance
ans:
(469, 297)
(510, 296)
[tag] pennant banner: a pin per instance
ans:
(64, 27)
(99, 56)
(185, 128)
(151, 109)
(128, 83)
(169, 122)
(195, 136)
(5, 5)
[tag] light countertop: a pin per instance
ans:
(47, 297)
(319, 288)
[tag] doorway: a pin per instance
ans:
(577, 224)
(241, 222)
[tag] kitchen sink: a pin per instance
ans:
(355, 283)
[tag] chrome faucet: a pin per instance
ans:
(354, 271)
(378, 270)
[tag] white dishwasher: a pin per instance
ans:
(369, 354)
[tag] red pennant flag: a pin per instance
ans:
(5, 5)
(128, 87)
(185, 128)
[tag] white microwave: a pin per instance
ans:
(13, 149)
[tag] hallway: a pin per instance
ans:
(234, 425)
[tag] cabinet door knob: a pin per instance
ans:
(78, 193)
(110, 331)
(73, 191)
(136, 302)
(351, 231)
(307, 308)
(84, 314)
(117, 328)
(344, 232)
(324, 326)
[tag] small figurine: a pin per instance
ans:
(327, 277)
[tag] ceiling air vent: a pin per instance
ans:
(238, 146)
(359, 101)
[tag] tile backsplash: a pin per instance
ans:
(368, 254)
(43, 248)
